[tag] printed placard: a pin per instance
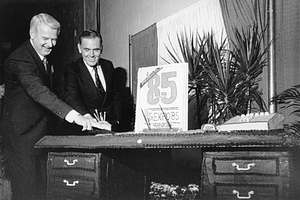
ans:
(162, 98)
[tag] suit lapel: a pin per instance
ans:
(36, 59)
(39, 64)
(85, 75)
(106, 74)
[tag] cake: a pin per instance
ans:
(253, 121)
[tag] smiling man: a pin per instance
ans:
(90, 85)
(28, 100)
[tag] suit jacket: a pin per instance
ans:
(28, 100)
(81, 91)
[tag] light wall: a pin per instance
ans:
(121, 18)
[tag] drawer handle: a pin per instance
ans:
(72, 163)
(239, 197)
(71, 184)
(243, 169)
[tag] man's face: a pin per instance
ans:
(90, 49)
(44, 39)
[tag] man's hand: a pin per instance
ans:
(85, 122)
(101, 125)
(98, 124)
(90, 117)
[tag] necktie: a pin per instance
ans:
(48, 70)
(45, 62)
(98, 82)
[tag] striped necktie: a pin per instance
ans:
(98, 82)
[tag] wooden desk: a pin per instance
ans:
(275, 154)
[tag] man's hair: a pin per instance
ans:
(44, 18)
(89, 34)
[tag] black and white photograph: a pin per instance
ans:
(149, 99)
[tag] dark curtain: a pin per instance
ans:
(242, 14)
(287, 46)
(287, 31)
(144, 53)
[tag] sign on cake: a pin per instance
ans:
(162, 98)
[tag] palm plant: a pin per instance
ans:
(290, 98)
(225, 79)
(193, 50)
(250, 57)
(234, 76)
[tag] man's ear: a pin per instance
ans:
(79, 49)
(31, 33)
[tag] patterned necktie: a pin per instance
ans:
(98, 82)
(45, 62)
(48, 70)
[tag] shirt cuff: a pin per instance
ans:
(71, 116)
(87, 115)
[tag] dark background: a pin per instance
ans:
(15, 16)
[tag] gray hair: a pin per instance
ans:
(44, 18)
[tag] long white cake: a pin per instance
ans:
(253, 121)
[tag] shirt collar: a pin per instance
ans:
(90, 68)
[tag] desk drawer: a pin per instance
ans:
(227, 191)
(91, 176)
(263, 165)
(246, 166)
(265, 173)
(73, 185)
(73, 161)
(73, 176)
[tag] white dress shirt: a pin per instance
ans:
(100, 72)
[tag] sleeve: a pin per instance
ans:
(71, 116)
(31, 82)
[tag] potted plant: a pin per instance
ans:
(222, 77)
(193, 49)
(290, 98)
(234, 75)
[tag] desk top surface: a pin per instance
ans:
(187, 139)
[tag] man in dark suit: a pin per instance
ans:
(82, 89)
(28, 101)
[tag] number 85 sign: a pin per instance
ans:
(162, 98)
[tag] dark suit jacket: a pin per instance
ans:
(28, 100)
(81, 92)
